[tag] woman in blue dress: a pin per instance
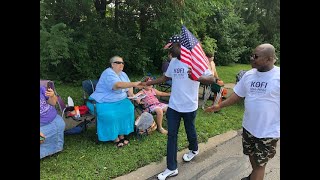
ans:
(115, 112)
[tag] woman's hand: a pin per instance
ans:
(43, 137)
(49, 92)
(52, 97)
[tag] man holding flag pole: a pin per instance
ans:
(188, 67)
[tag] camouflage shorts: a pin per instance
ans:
(261, 149)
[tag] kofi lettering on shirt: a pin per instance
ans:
(258, 87)
(179, 73)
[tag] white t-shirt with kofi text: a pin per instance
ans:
(262, 102)
(184, 91)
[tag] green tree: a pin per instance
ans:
(78, 37)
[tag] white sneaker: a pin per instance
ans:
(190, 155)
(167, 173)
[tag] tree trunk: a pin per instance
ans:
(100, 6)
(116, 15)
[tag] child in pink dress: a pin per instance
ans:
(152, 104)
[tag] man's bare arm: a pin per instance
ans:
(157, 81)
(207, 79)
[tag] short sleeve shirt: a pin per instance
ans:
(47, 111)
(104, 91)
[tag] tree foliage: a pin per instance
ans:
(78, 37)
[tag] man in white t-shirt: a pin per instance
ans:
(260, 87)
(183, 103)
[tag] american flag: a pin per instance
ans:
(192, 54)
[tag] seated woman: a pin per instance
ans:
(115, 112)
(212, 68)
(51, 124)
(152, 104)
(212, 65)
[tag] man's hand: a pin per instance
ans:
(213, 108)
(189, 72)
(139, 85)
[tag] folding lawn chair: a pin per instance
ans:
(216, 90)
(164, 87)
(204, 86)
(207, 93)
(88, 87)
(63, 110)
(239, 75)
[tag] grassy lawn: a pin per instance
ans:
(82, 158)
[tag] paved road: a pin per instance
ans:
(221, 158)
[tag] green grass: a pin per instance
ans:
(82, 158)
(228, 73)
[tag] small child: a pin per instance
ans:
(152, 104)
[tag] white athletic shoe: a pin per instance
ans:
(167, 173)
(190, 155)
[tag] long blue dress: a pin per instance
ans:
(115, 111)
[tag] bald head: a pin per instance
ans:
(263, 57)
(267, 50)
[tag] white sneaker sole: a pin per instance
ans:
(184, 157)
(171, 175)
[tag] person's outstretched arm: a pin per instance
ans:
(233, 98)
(206, 79)
(156, 81)
(123, 85)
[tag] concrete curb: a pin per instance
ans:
(154, 169)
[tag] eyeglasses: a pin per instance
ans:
(119, 62)
(254, 56)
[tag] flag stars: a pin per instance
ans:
(174, 39)
(192, 53)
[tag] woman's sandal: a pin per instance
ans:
(119, 143)
(124, 140)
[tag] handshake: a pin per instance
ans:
(141, 85)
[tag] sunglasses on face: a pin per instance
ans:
(254, 56)
(119, 62)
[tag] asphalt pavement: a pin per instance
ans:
(220, 158)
